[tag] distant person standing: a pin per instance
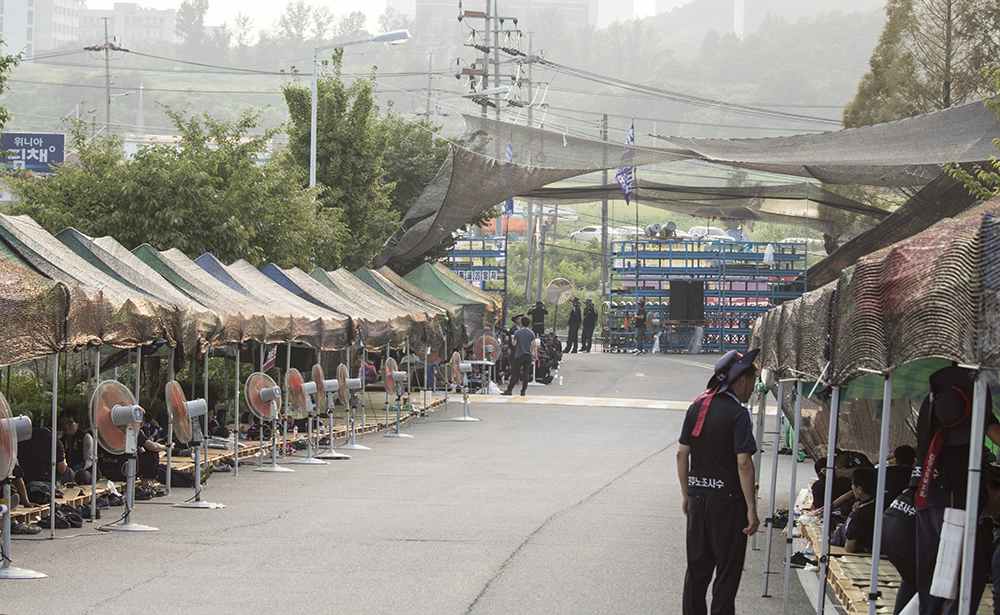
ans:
(589, 322)
(525, 352)
(575, 318)
(538, 314)
(716, 472)
(640, 326)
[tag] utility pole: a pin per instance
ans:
(529, 223)
(541, 254)
(430, 72)
(605, 257)
(105, 50)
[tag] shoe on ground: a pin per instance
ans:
(522, 393)
(799, 560)
(506, 393)
(206, 473)
(24, 528)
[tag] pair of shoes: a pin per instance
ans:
(206, 473)
(799, 560)
(506, 393)
(24, 528)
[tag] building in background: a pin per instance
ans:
(37, 26)
(127, 21)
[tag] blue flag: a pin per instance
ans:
(508, 160)
(626, 172)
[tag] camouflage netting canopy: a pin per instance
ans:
(909, 310)
(476, 177)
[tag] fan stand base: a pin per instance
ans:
(128, 527)
(273, 468)
(396, 434)
(199, 504)
(21, 573)
(354, 447)
(465, 419)
(336, 455)
(310, 461)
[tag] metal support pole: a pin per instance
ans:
(778, 420)
(204, 430)
(790, 528)
(883, 456)
(979, 411)
(761, 415)
(831, 456)
(93, 436)
(170, 422)
(55, 412)
(236, 416)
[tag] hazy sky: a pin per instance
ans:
(265, 12)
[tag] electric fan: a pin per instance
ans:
(263, 397)
(395, 381)
(486, 348)
(460, 372)
(187, 418)
(350, 395)
(118, 419)
(12, 431)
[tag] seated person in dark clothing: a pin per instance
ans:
(35, 457)
(841, 485)
(845, 463)
(857, 533)
(897, 476)
(79, 447)
(113, 467)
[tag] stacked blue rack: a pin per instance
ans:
(483, 262)
(738, 288)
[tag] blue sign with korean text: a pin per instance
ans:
(32, 151)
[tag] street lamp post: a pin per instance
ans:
(395, 37)
(490, 92)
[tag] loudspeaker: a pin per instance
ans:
(687, 300)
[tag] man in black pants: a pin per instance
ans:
(113, 467)
(538, 314)
(575, 318)
(525, 352)
(716, 472)
(589, 322)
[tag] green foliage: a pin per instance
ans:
(351, 142)
(7, 64)
(930, 56)
(983, 181)
(209, 193)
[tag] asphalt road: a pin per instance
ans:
(543, 509)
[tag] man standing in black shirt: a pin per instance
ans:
(575, 318)
(525, 351)
(538, 314)
(589, 322)
(716, 472)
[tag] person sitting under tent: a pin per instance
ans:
(19, 494)
(844, 464)
(35, 458)
(841, 485)
(368, 373)
(113, 467)
(858, 531)
(79, 447)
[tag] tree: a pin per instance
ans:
(412, 158)
(350, 144)
(983, 181)
(293, 24)
(189, 23)
(393, 19)
(207, 193)
(930, 56)
(352, 26)
(7, 64)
